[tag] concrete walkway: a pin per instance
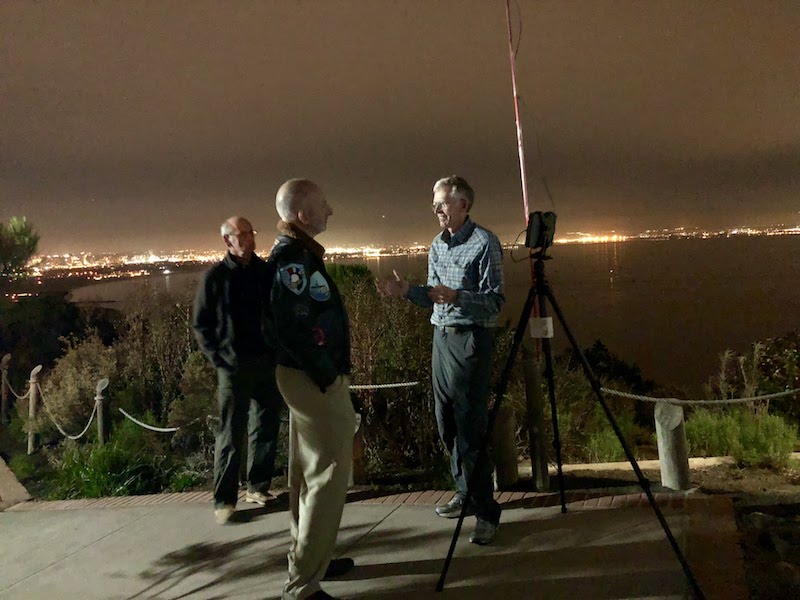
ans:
(168, 547)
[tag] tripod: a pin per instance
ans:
(541, 290)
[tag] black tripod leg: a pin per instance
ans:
(483, 454)
(644, 483)
(551, 388)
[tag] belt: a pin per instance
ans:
(458, 328)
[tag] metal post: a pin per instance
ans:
(4, 416)
(673, 454)
(102, 432)
(33, 403)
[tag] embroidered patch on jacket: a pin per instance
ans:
(318, 288)
(293, 276)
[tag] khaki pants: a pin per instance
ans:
(321, 430)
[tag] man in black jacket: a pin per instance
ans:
(313, 335)
(229, 312)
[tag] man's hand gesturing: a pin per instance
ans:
(396, 288)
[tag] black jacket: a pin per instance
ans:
(309, 320)
(215, 307)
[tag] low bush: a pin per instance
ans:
(712, 433)
(195, 411)
(766, 440)
(753, 438)
(132, 462)
(604, 445)
(22, 466)
(68, 390)
(186, 479)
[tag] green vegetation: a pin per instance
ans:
(132, 462)
(753, 438)
(18, 243)
(157, 374)
(22, 466)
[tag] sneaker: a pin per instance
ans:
(338, 567)
(223, 514)
(452, 510)
(484, 532)
(257, 498)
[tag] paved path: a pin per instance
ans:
(168, 547)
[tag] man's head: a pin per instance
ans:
(239, 236)
(452, 201)
(302, 203)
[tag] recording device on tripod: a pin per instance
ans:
(539, 235)
(541, 228)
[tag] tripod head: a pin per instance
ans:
(540, 232)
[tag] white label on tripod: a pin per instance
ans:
(541, 327)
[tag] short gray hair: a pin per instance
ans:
(457, 187)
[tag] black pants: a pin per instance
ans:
(247, 398)
(461, 371)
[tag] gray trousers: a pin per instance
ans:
(248, 400)
(461, 372)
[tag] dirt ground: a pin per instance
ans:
(767, 505)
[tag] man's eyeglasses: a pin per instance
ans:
(252, 232)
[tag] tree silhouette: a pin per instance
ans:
(18, 242)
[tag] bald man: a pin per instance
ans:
(229, 323)
(313, 335)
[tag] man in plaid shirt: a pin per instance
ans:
(465, 289)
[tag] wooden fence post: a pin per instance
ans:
(102, 431)
(504, 445)
(33, 404)
(4, 413)
(534, 402)
(673, 454)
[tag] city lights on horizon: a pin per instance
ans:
(98, 266)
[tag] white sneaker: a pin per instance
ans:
(257, 498)
(223, 514)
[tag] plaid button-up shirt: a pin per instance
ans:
(470, 261)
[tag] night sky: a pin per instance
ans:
(142, 125)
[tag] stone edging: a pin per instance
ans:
(12, 492)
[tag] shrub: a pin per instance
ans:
(765, 440)
(772, 366)
(196, 409)
(186, 479)
(68, 390)
(604, 445)
(391, 341)
(110, 470)
(753, 438)
(155, 341)
(712, 433)
(22, 466)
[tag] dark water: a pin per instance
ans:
(672, 307)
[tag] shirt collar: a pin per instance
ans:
(460, 236)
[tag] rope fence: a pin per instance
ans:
(383, 386)
(150, 427)
(19, 396)
(60, 429)
(679, 402)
